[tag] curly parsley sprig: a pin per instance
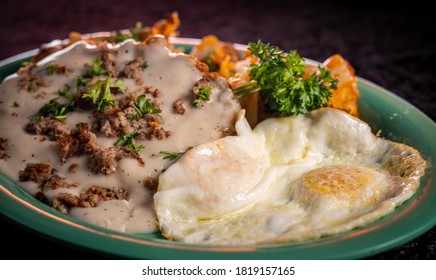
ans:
(283, 83)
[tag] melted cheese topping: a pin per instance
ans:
(173, 74)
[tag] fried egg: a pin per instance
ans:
(289, 179)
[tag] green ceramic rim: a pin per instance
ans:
(397, 119)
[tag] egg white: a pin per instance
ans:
(289, 179)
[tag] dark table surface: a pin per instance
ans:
(393, 46)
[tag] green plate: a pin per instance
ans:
(397, 120)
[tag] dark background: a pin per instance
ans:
(393, 46)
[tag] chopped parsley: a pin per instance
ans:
(67, 93)
(79, 124)
(96, 69)
(171, 155)
(144, 106)
(52, 68)
(144, 65)
(129, 142)
(133, 33)
(283, 83)
(54, 109)
(100, 93)
(15, 104)
(80, 81)
(202, 95)
(119, 37)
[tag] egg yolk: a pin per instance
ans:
(338, 180)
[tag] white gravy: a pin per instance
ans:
(174, 74)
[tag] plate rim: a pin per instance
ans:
(244, 252)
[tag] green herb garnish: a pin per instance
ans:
(203, 95)
(119, 37)
(79, 124)
(100, 93)
(67, 93)
(134, 33)
(52, 68)
(171, 155)
(55, 109)
(129, 142)
(144, 106)
(282, 82)
(144, 65)
(209, 62)
(96, 69)
(15, 104)
(80, 81)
